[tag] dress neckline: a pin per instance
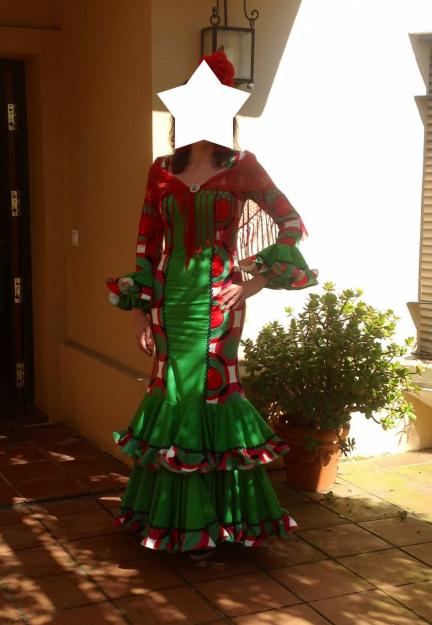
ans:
(238, 155)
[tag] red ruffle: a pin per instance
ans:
(176, 458)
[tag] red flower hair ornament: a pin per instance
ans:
(221, 66)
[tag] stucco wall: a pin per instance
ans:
(107, 121)
(35, 14)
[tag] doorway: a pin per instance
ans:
(16, 309)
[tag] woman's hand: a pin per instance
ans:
(143, 331)
(235, 295)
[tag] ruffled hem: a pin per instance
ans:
(182, 460)
(132, 290)
(198, 436)
(284, 265)
(177, 540)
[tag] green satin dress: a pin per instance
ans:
(198, 443)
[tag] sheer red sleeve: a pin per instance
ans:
(282, 262)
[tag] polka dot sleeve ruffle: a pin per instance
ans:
(284, 266)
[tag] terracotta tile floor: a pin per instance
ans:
(362, 555)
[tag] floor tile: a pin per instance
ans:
(108, 500)
(287, 496)
(135, 577)
(356, 466)
(96, 613)
(378, 480)
(16, 473)
(50, 559)
(249, 586)
(14, 515)
(341, 488)
(361, 507)
(63, 507)
(420, 473)
(168, 607)
(250, 593)
(67, 449)
(30, 533)
(102, 551)
(295, 615)
(43, 433)
(423, 552)
(366, 608)
(318, 580)
(19, 452)
(417, 597)
(344, 540)
(93, 465)
(401, 532)
(9, 615)
(276, 552)
(99, 482)
(423, 516)
(55, 592)
(311, 515)
(9, 494)
(45, 487)
(227, 561)
(278, 476)
(82, 525)
(389, 567)
(415, 498)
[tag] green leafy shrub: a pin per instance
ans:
(336, 357)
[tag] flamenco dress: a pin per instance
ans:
(199, 445)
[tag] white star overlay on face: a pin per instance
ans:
(203, 108)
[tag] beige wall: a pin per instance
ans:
(36, 14)
(107, 121)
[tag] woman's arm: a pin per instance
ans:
(143, 331)
(134, 290)
(234, 295)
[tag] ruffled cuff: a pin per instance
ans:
(132, 290)
(284, 265)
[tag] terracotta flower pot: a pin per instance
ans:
(310, 470)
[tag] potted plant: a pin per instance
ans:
(336, 357)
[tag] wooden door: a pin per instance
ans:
(16, 318)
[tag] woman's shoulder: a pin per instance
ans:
(161, 161)
(247, 156)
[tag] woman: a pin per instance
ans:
(199, 445)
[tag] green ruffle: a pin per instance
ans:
(178, 513)
(282, 263)
(136, 290)
(187, 437)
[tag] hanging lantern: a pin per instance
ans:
(237, 43)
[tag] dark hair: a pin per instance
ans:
(181, 156)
